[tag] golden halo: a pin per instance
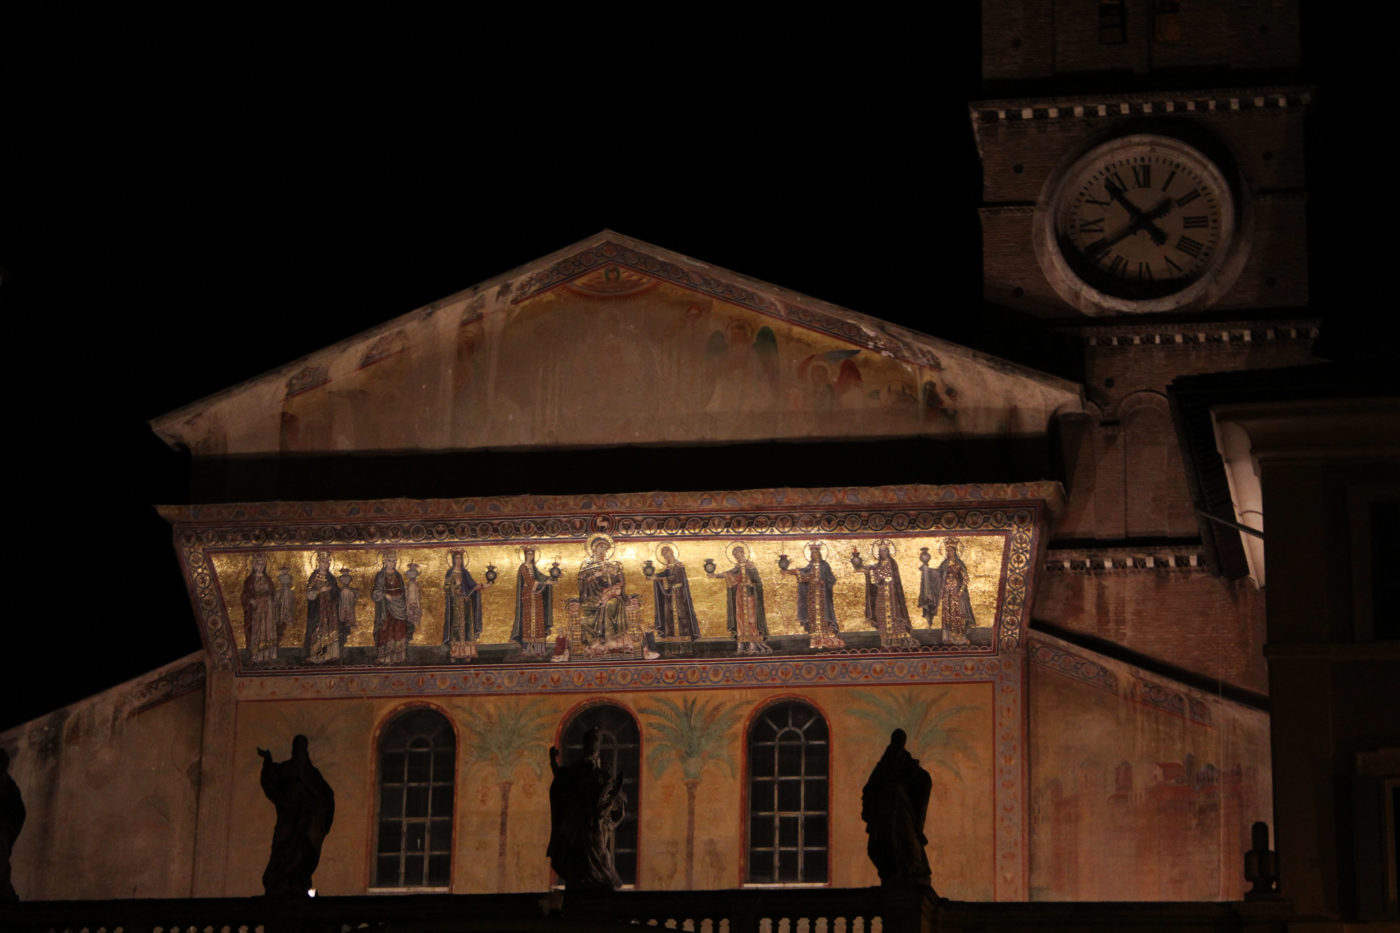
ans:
(951, 541)
(656, 552)
(529, 547)
(884, 542)
(612, 545)
(821, 546)
(466, 561)
(730, 546)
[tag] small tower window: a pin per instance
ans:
(1113, 22)
(1166, 20)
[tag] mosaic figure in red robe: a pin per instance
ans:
(743, 603)
(260, 630)
(534, 607)
(392, 627)
(885, 608)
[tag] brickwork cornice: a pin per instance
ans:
(1125, 558)
(1232, 101)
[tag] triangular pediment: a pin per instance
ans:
(614, 341)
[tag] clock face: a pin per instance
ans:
(1143, 223)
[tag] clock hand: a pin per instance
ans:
(1100, 247)
(1140, 220)
(1155, 232)
(1160, 210)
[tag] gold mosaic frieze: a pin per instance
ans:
(531, 580)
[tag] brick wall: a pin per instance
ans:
(1184, 616)
(1034, 39)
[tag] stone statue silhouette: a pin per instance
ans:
(11, 822)
(1261, 866)
(894, 805)
(586, 804)
(305, 808)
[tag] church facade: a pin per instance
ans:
(746, 534)
(746, 651)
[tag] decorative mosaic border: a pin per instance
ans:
(1003, 495)
(608, 253)
(165, 686)
(1055, 658)
(843, 327)
(626, 676)
(1009, 720)
(1172, 702)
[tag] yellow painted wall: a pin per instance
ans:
(956, 731)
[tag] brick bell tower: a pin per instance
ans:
(1144, 207)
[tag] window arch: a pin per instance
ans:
(620, 754)
(417, 779)
(789, 763)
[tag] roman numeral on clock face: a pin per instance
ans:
(1190, 247)
(1187, 198)
(1091, 226)
(1144, 272)
(1117, 265)
(1142, 176)
(1115, 180)
(1194, 222)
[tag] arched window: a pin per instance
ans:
(788, 795)
(620, 754)
(417, 774)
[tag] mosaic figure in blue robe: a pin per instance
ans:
(675, 612)
(461, 622)
(944, 593)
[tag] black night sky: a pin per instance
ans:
(192, 201)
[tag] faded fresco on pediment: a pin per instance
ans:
(616, 345)
(650, 360)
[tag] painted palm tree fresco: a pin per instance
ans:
(928, 719)
(693, 736)
(504, 738)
